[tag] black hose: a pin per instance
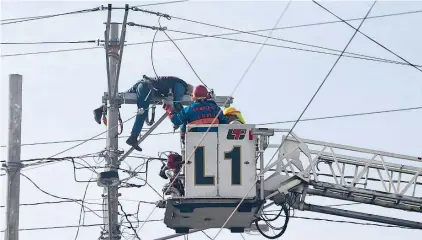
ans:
(285, 209)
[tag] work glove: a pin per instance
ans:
(169, 109)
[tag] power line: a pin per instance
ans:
(43, 159)
(82, 210)
(300, 116)
(79, 140)
(100, 8)
(74, 226)
(345, 115)
(275, 38)
(218, 36)
(190, 65)
(27, 19)
(50, 42)
(266, 123)
(70, 148)
(323, 82)
(161, 3)
(379, 44)
(51, 202)
(72, 201)
(254, 34)
(349, 54)
(235, 33)
(55, 196)
(244, 74)
(130, 223)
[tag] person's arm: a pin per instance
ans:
(177, 118)
(222, 119)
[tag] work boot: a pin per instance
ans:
(133, 141)
(97, 114)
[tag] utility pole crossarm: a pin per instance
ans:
(130, 98)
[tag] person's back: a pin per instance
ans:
(165, 83)
(201, 111)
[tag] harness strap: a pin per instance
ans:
(152, 121)
(120, 121)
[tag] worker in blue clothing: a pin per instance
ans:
(145, 89)
(201, 111)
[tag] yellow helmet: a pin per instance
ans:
(235, 112)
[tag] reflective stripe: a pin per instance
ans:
(205, 121)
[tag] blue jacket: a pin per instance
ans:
(199, 112)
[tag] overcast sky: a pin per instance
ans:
(61, 89)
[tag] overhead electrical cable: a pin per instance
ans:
(79, 144)
(100, 8)
(224, 34)
(218, 36)
(27, 19)
(349, 54)
(235, 88)
(73, 226)
(55, 196)
(373, 40)
(300, 116)
(50, 42)
(265, 123)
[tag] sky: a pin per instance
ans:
(61, 89)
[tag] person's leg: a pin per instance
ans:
(144, 97)
(98, 112)
(179, 91)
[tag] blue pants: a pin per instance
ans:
(144, 97)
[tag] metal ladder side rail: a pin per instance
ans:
(339, 159)
(366, 199)
(394, 183)
(359, 149)
(358, 215)
(325, 186)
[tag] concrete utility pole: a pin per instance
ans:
(110, 178)
(14, 157)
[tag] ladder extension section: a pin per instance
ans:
(352, 173)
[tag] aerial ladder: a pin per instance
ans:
(227, 183)
(309, 167)
(301, 168)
